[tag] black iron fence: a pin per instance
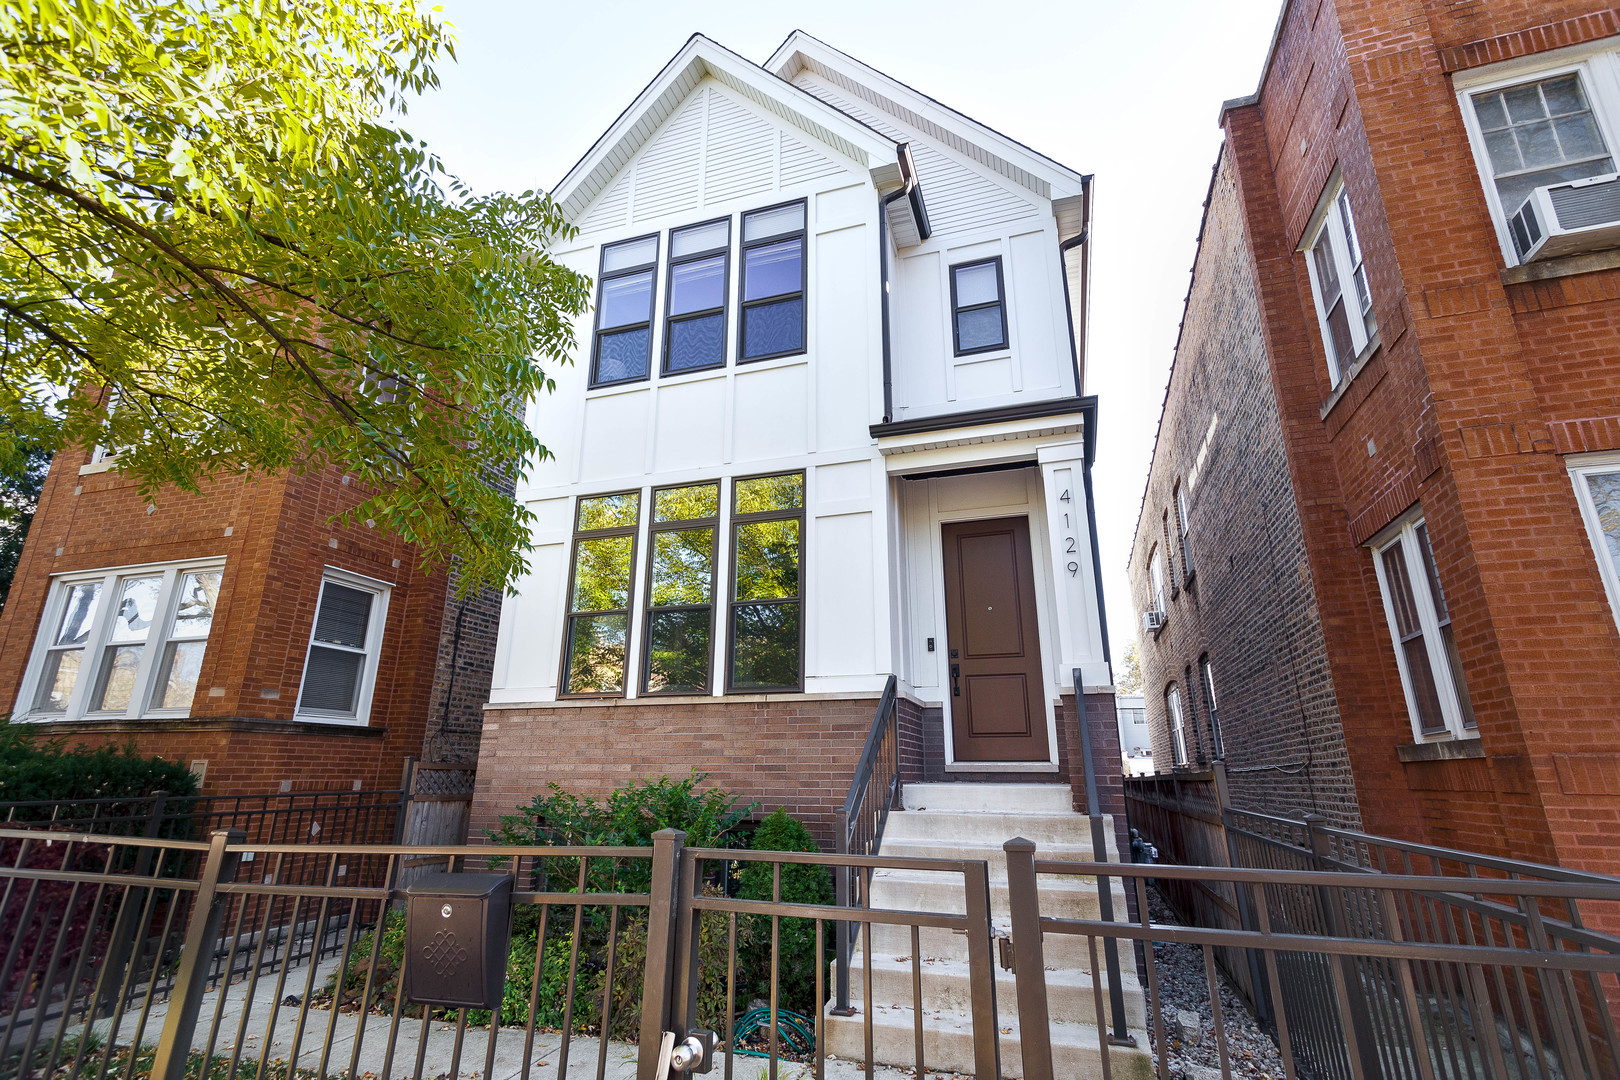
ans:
(303, 817)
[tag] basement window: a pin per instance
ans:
(340, 669)
(121, 644)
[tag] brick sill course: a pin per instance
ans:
(1568, 266)
(1444, 750)
(675, 699)
(249, 724)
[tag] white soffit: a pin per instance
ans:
(699, 58)
(1013, 440)
(1028, 168)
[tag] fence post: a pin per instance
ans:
(407, 784)
(1105, 887)
(191, 978)
(981, 970)
(657, 988)
(841, 930)
(1029, 959)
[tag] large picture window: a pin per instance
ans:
(624, 305)
(681, 558)
(1597, 489)
(978, 307)
(597, 633)
(1339, 282)
(122, 643)
(695, 315)
(766, 613)
(340, 669)
(1420, 627)
(773, 282)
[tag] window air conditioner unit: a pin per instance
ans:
(1152, 620)
(1568, 219)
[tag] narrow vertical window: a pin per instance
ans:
(624, 304)
(64, 658)
(596, 637)
(132, 619)
(766, 617)
(181, 663)
(1597, 489)
(1156, 575)
(978, 307)
(1178, 733)
(342, 652)
(695, 316)
(1420, 627)
(1182, 530)
(680, 590)
(773, 282)
(1339, 282)
(1211, 706)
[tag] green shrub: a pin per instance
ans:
(796, 937)
(34, 767)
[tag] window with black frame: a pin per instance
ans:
(683, 545)
(596, 633)
(624, 305)
(766, 617)
(695, 311)
(773, 282)
(978, 307)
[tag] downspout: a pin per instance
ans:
(909, 190)
(1089, 412)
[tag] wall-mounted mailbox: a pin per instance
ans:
(458, 928)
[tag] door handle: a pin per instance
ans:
(956, 673)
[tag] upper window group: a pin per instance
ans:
(697, 291)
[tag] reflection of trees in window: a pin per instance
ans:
(767, 550)
(680, 610)
(598, 624)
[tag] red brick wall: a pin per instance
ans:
(1483, 381)
(275, 538)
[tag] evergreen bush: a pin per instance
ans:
(35, 768)
(796, 951)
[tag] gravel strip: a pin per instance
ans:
(1184, 994)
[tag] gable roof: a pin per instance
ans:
(1007, 156)
(702, 58)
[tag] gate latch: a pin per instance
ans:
(693, 1054)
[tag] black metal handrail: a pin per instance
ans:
(873, 790)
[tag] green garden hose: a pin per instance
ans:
(794, 1033)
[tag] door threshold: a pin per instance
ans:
(1002, 766)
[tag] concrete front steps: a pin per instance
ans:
(973, 821)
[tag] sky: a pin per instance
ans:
(1127, 91)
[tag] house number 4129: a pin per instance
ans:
(1068, 540)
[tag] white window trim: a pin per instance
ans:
(1327, 212)
(381, 590)
(1156, 579)
(1404, 529)
(1598, 64)
(1580, 467)
(1177, 723)
(95, 646)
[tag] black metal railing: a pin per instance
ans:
(874, 790)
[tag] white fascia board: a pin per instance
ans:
(1029, 168)
(701, 57)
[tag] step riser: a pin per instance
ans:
(952, 992)
(952, 1050)
(944, 847)
(947, 897)
(1058, 950)
(992, 798)
(991, 830)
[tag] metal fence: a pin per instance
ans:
(303, 817)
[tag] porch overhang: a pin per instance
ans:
(987, 437)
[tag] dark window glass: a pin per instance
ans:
(597, 630)
(767, 552)
(1409, 629)
(773, 279)
(678, 651)
(1443, 615)
(695, 326)
(624, 303)
(337, 657)
(680, 590)
(978, 307)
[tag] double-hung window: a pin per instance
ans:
(1206, 671)
(624, 307)
(766, 614)
(773, 282)
(1156, 576)
(1530, 133)
(596, 634)
(124, 643)
(1597, 489)
(683, 548)
(1178, 730)
(695, 322)
(340, 669)
(1420, 627)
(978, 307)
(1182, 529)
(1339, 281)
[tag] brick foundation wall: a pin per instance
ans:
(1250, 606)
(793, 751)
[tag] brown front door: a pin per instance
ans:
(998, 709)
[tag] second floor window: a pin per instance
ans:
(695, 324)
(1182, 529)
(1211, 706)
(624, 305)
(1156, 576)
(773, 282)
(978, 307)
(1178, 728)
(1420, 626)
(341, 667)
(1339, 282)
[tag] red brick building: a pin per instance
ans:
(239, 632)
(1425, 193)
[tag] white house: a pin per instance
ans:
(826, 424)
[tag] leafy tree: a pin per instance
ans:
(208, 226)
(1128, 675)
(22, 477)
